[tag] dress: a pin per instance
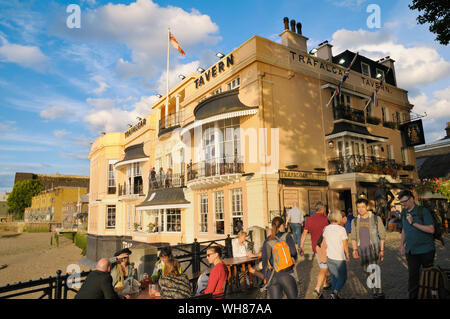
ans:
(178, 287)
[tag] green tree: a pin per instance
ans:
(437, 13)
(21, 195)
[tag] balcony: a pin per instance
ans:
(170, 122)
(215, 172)
(364, 164)
(130, 192)
(342, 112)
(168, 181)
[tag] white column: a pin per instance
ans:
(177, 109)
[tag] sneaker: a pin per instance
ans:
(317, 295)
(334, 296)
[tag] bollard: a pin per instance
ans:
(195, 257)
(228, 247)
(58, 285)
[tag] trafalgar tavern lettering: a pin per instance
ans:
(135, 128)
(316, 64)
(214, 71)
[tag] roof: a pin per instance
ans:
(134, 152)
(164, 197)
(434, 166)
(343, 126)
(225, 102)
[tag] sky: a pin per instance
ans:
(62, 85)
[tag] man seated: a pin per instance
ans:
(98, 284)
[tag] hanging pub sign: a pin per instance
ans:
(412, 133)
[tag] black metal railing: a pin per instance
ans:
(171, 120)
(363, 164)
(136, 189)
(167, 181)
(192, 259)
(215, 167)
(342, 112)
(56, 287)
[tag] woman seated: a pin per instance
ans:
(172, 284)
(240, 246)
(219, 273)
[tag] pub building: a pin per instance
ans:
(245, 139)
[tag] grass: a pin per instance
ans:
(81, 242)
(38, 228)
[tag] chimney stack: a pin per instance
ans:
(324, 51)
(291, 38)
(387, 61)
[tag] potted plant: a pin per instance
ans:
(136, 226)
(151, 227)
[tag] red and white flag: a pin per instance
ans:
(175, 44)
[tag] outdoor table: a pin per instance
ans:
(234, 263)
(145, 294)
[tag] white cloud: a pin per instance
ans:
(26, 56)
(7, 126)
(185, 69)
(54, 112)
(116, 119)
(414, 65)
(437, 109)
(102, 85)
(142, 27)
(101, 103)
(60, 133)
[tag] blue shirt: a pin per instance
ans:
(417, 241)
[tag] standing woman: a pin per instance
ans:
(336, 243)
(283, 280)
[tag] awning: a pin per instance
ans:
(133, 154)
(164, 198)
(350, 129)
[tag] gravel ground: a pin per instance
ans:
(30, 256)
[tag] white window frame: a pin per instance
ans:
(235, 83)
(203, 213)
(237, 210)
(112, 176)
(363, 64)
(110, 218)
(219, 211)
(379, 71)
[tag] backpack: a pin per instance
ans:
(281, 257)
(281, 254)
(437, 223)
(433, 284)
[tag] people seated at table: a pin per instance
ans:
(172, 284)
(240, 246)
(219, 273)
(98, 284)
(121, 268)
(159, 270)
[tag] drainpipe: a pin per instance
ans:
(261, 103)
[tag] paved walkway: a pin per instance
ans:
(394, 272)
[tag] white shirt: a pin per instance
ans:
(334, 235)
(295, 215)
(239, 250)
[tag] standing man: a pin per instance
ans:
(368, 238)
(417, 239)
(98, 284)
(296, 218)
(315, 226)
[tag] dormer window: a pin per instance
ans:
(365, 69)
(380, 74)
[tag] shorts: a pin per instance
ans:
(321, 265)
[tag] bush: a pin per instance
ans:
(81, 242)
(36, 228)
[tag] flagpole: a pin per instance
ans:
(376, 89)
(167, 79)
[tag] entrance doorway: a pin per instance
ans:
(346, 197)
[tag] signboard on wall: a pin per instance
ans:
(314, 196)
(290, 197)
(412, 133)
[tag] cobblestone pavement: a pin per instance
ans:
(394, 272)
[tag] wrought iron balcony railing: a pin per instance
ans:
(215, 167)
(171, 120)
(363, 164)
(342, 112)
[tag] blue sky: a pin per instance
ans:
(61, 87)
